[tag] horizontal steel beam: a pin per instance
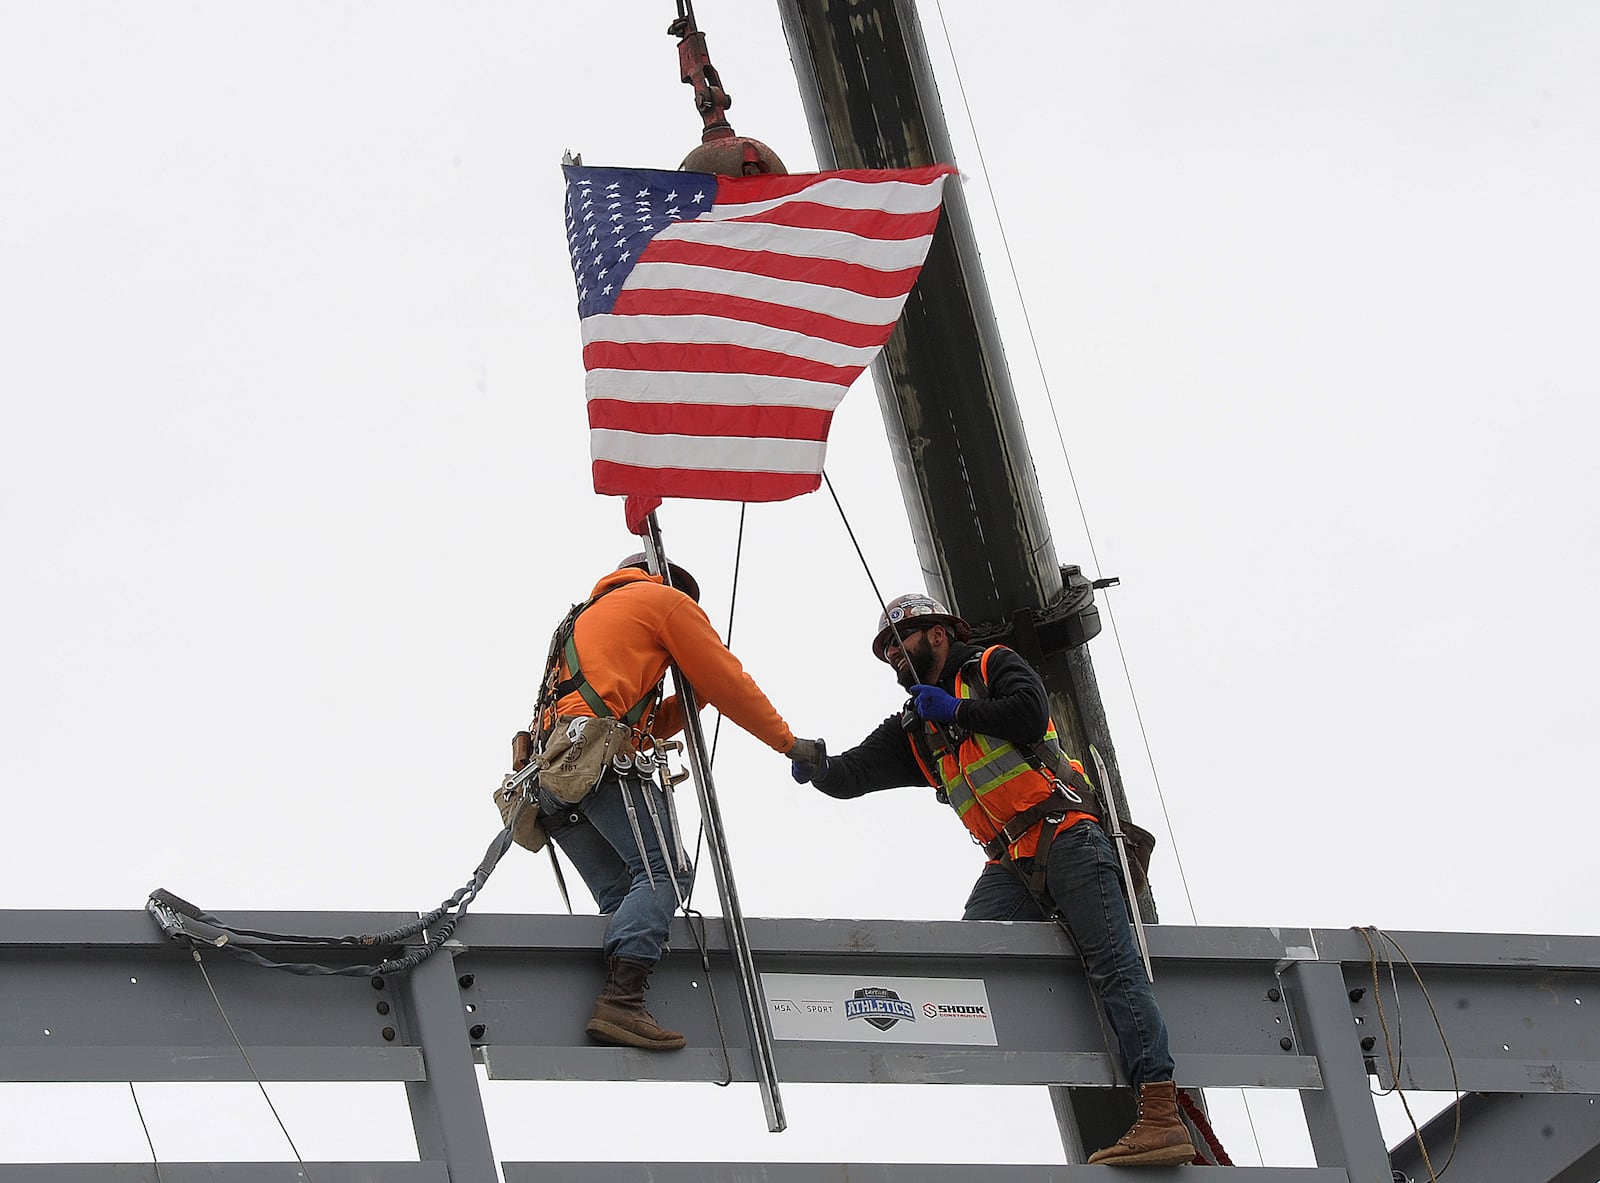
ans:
(820, 1172)
(105, 996)
(227, 1172)
(102, 996)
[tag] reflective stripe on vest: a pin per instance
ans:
(989, 764)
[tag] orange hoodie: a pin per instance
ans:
(626, 640)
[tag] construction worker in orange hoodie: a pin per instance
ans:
(622, 834)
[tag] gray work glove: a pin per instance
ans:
(808, 760)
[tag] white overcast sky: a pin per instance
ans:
(294, 478)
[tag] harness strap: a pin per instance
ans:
(1048, 829)
(580, 683)
(1057, 803)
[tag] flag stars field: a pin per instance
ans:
(718, 343)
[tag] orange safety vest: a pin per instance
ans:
(988, 781)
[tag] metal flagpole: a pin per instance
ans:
(1121, 842)
(755, 1008)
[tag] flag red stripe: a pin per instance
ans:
(625, 479)
(709, 358)
(866, 223)
(676, 302)
(850, 277)
(787, 423)
(766, 186)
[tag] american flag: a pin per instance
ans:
(725, 317)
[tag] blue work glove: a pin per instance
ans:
(808, 760)
(934, 704)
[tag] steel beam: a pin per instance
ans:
(226, 1172)
(1529, 1137)
(1343, 1124)
(105, 996)
(447, 1106)
(821, 1172)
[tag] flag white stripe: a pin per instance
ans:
(726, 390)
(711, 453)
(890, 197)
(883, 254)
(712, 331)
(791, 293)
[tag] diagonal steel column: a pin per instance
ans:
(955, 431)
(1530, 1137)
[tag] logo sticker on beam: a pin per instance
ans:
(879, 1010)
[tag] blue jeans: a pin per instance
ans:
(1085, 880)
(602, 846)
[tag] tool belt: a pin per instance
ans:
(1141, 843)
(578, 752)
(1057, 804)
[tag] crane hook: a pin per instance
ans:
(721, 151)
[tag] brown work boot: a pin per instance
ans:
(1157, 1139)
(619, 1016)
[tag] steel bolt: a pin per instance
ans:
(1286, 1043)
(377, 982)
(388, 1033)
(465, 980)
(383, 1007)
(1358, 994)
(1274, 994)
(477, 1030)
(1368, 1043)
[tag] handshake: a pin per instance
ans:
(808, 760)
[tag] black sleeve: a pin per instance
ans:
(883, 760)
(1017, 709)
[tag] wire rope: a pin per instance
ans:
(155, 1159)
(250, 1064)
(1116, 635)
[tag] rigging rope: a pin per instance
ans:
(1394, 1049)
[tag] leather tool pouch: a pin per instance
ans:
(578, 752)
(529, 832)
(1141, 845)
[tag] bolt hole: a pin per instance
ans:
(696, 985)
(472, 1008)
(1577, 1002)
(47, 1031)
(1360, 1020)
(135, 981)
(1505, 1047)
(1278, 1019)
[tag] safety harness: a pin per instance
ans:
(1071, 792)
(635, 760)
(553, 688)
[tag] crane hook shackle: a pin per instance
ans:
(721, 151)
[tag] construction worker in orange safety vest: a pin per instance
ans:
(978, 729)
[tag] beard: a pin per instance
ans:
(919, 667)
